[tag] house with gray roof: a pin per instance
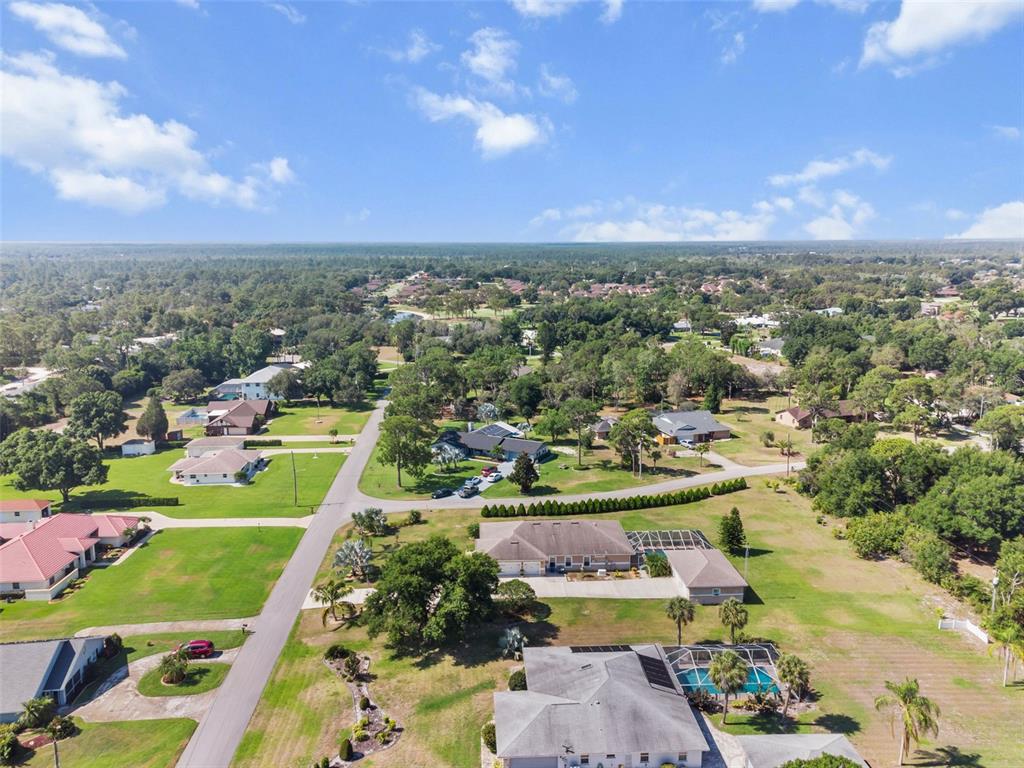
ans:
(36, 668)
(484, 440)
(602, 707)
(775, 750)
(689, 427)
(705, 576)
(536, 547)
(253, 386)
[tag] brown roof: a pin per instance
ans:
(704, 568)
(540, 539)
(24, 505)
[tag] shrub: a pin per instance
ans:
(337, 651)
(878, 534)
(62, 727)
(345, 748)
(657, 564)
(415, 517)
(474, 529)
(364, 702)
(9, 746)
(128, 502)
(930, 555)
(490, 737)
(517, 680)
(265, 443)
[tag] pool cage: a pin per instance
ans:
(697, 658)
(647, 541)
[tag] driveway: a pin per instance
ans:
(159, 521)
(636, 589)
(119, 697)
(155, 627)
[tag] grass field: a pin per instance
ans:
(857, 623)
(178, 575)
(301, 419)
(269, 495)
(200, 677)
(380, 480)
(141, 744)
(748, 419)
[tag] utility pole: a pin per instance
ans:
(995, 583)
(746, 560)
(295, 481)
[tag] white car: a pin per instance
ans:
(494, 477)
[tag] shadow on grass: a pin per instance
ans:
(947, 756)
(834, 723)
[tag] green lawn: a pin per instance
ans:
(857, 623)
(748, 419)
(301, 419)
(139, 744)
(178, 575)
(271, 493)
(381, 480)
(199, 678)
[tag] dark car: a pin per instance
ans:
(197, 649)
(466, 491)
(441, 493)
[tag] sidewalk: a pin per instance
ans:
(154, 627)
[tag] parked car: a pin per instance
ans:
(474, 481)
(466, 491)
(197, 649)
(441, 493)
(486, 471)
(494, 477)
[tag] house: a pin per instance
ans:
(494, 438)
(829, 311)
(202, 446)
(775, 750)
(705, 576)
(240, 417)
(800, 418)
(603, 427)
(138, 447)
(39, 559)
(682, 325)
(770, 347)
(536, 547)
(222, 467)
(253, 386)
(689, 427)
(756, 321)
(592, 706)
(24, 510)
(56, 668)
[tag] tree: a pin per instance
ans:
(524, 473)
(173, 668)
(730, 532)
(553, 423)
(322, 379)
(184, 385)
(248, 349)
(701, 449)
(286, 385)
(580, 414)
(330, 594)
(713, 399)
(818, 399)
(822, 761)
(447, 456)
(153, 421)
(37, 712)
(405, 443)
(917, 715)
(488, 412)
(371, 521)
(681, 611)
(1005, 426)
(44, 461)
(733, 615)
(526, 394)
(729, 674)
(9, 745)
(97, 415)
(355, 555)
(795, 674)
(631, 435)
(515, 595)
(512, 642)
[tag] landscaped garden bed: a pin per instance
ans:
(374, 730)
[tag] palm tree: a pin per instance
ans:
(681, 611)
(917, 714)
(35, 712)
(729, 674)
(330, 593)
(796, 675)
(1011, 645)
(733, 615)
(172, 668)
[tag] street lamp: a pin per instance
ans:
(995, 583)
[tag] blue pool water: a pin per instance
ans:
(757, 679)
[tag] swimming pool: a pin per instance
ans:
(758, 679)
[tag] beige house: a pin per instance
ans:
(800, 418)
(538, 547)
(223, 467)
(705, 576)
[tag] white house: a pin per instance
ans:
(203, 446)
(252, 387)
(221, 467)
(138, 447)
(24, 510)
(55, 668)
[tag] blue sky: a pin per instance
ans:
(521, 121)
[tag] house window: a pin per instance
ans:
(645, 757)
(224, 476)
(568, 561)
(584, 759)
(682, 757)
(586, 561)
(16, 585)
(609, 757)
(716, 591)
(17, 513)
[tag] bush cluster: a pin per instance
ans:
(128, 503)
(337, 651)
(550, 508)
(490, 737)
(266, 443)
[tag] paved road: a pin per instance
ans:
(220, 731)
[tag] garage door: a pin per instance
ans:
(514, 568)
(535, 762)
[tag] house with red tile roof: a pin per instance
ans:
(42, 557)
(24, 510)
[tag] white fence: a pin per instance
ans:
(963, 625)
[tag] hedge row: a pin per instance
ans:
(128, 503)
(174, 443)
(262, 443)
(594, 506)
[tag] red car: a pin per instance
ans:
(197, 649)
(486, 471)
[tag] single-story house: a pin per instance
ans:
(138, 447)
(800, 418)
(24, 510)
(608, 706)
(689, 427)
(705, 576)
(770, 347)
(775, 750)
(242, 417)
(55, 668)
(484, 440)
(535, 547)
(41, 558)
(202, 446)
(682, 325)
(218, 468)
(251, 387)
(603, 427)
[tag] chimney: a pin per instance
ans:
(469, 426)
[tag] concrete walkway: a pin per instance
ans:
(306, 438)
(159, 522)
(636, 589)
(154, 627)
(356, 597)
(332, 449)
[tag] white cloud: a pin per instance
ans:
(819, 169)
(612, 11)
(290, 12)
(843, 220)
(955, 214)
(925, 28)
(735, 48)
(1011, 132)
(71, 130)
(69, 28)
(556, 86)
(1005, 221)
(419, 47)
(784, 203)
(545, 216)
(492, 57)
(774, 6)
(543, 9)
(497, 132)
(194, 4)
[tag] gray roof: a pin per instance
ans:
(541, 539)
(522, 445)
(479, 441)
(776, 344)
(773, 751)
(684, 423)
(604, 424)
(704, 568)
(596, 703)
(29, 668)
